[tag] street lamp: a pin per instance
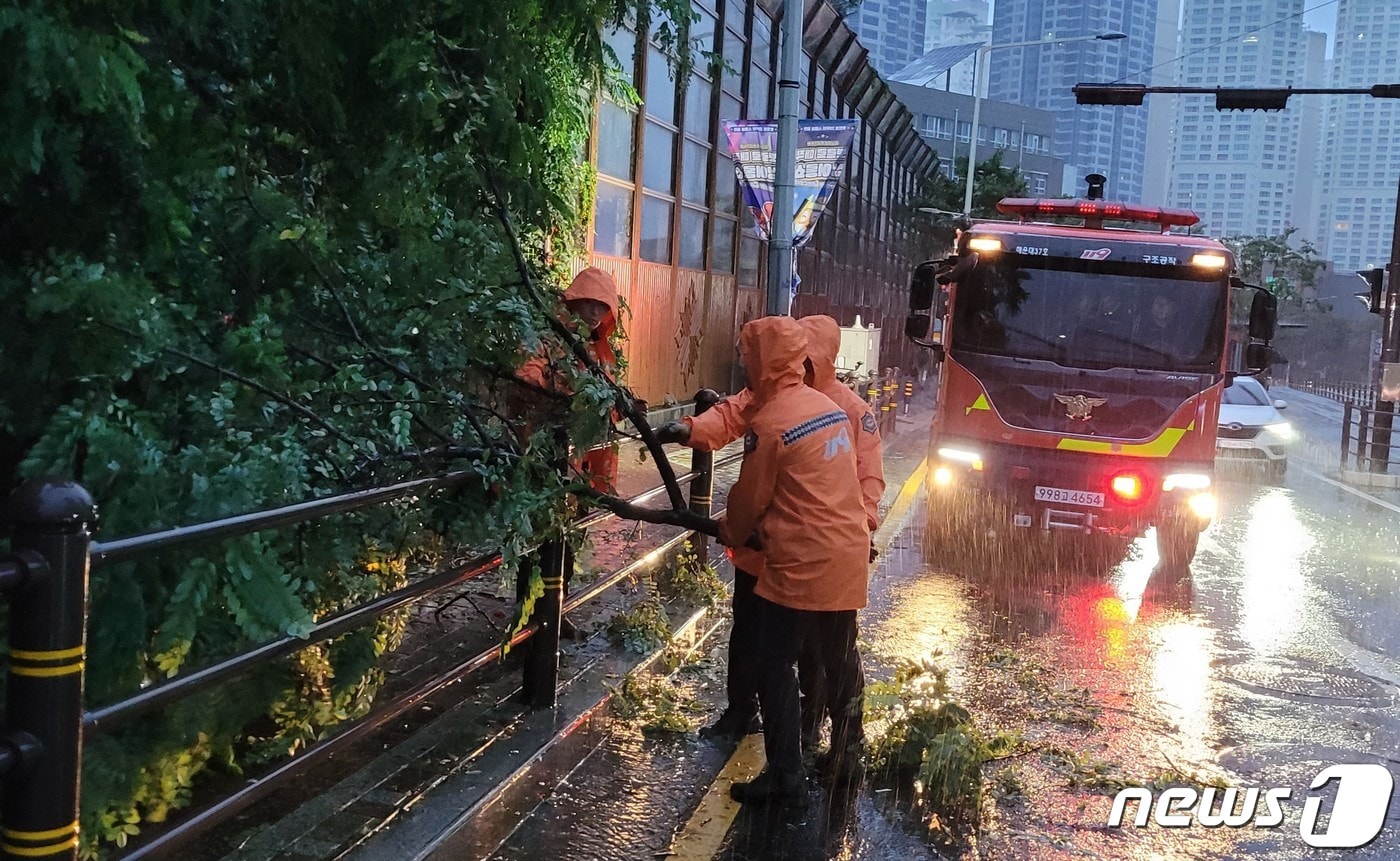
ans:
(977, 75)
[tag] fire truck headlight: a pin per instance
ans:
(1185, 481)
(1210, 261)
(942, 477)
(1282, 430)
(1203, 505)
(984, 244)
(963, 456)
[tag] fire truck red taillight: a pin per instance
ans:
(1127, 487)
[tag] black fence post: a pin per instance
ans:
(1346, 432)
(1363, 434)
(51, 519)
(1382, 419)
(702, 488)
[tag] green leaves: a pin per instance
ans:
(250, 258)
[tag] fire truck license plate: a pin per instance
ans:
(1069, 497)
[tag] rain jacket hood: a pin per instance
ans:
(593, 283)
(823, 345)
(773, 349)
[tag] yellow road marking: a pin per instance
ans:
(704, 832)
(703, 835)
(899, 510)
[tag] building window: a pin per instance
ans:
(658, 156)
(612, 220)
(693, 238)
(616, 140)
(656, 230)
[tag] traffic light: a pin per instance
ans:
(1109, 94)
(1374, 279)
(1251, 100)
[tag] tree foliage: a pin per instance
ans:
(1274, 263)
(993, 181)
(254, 252)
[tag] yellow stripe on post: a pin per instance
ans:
(40, 851)
(38, 836)
(59, 655)
(46, 672)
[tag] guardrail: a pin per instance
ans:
(45, 578)
(1343, 392)
(1366, 439)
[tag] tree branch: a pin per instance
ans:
(625, 400)
(673, 517)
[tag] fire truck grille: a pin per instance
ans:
(1134, 406)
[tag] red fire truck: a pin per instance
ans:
(1082, 371)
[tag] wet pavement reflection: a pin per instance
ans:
(1276, 655)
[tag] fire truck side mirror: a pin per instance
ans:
(916, 326)
(1263, 316)
(923, 288)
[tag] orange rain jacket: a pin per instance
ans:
(591, 283)
(798, 488)
(823, 345)
(729, 419)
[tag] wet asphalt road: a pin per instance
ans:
(1277, 656)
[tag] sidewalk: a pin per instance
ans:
(471, 754)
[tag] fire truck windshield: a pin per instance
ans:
(1090, 314)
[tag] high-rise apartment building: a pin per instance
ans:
(1360, 161)
(1239, 169)
(1161, 109)
(1108, 140)
(891, 30)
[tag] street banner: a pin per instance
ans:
(822, 146)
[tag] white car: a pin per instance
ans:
(1252, 428)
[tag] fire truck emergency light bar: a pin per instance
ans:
(1098, 209)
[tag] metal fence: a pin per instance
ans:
(1366, 439)
(45, 578)
(1344, 392)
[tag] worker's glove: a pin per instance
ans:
(676, 431)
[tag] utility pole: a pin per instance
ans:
(781, 258)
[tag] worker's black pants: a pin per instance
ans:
(785, 634)
(745, 642)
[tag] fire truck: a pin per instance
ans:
(1084, 346)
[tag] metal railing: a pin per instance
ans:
(1366, 439)
(1343, 392)
(45, 578)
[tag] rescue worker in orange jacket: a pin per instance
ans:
(592, 297)
(721, 425)
(799, 496)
